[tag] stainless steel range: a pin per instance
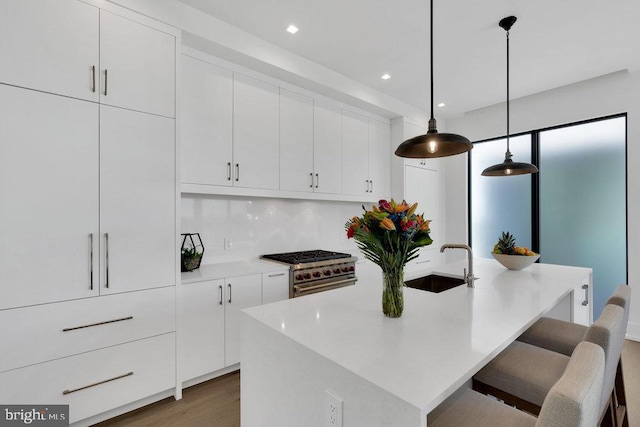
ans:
(317, 270)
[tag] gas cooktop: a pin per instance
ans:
(306, 256)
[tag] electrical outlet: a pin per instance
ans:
(228, 244)
(333, 410)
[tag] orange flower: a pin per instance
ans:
(399, 208)
(412, 209)
(387, 224)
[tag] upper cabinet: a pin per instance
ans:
(296, 142)
(74, 49)
(58, 48)
(207, 123)
(327, 148)
(256, 155)
(137, 66)
(380, 158)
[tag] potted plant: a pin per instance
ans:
(191, 252)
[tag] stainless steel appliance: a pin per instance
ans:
(316, 270)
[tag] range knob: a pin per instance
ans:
(344, 269)
(316, 274)
(327, 272)
(299, 277)
(352, 268)
(307, 275)
(336, 271)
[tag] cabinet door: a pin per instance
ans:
(582, 302)
(380, 159)
(275, 286)
(50, 46)
(255, 133)
(240, 292)
(202, 328)
(49, 192)
(423, 186)
(137, 66)
(206, 130)
(355, 154)
(296, 142)
(327, 148)
(137, 200)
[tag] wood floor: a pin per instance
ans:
(216, 403)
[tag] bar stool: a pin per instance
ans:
(523, 374)
(562, 337)
(572, 401)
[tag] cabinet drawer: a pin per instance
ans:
(97, 381)
(40, 333)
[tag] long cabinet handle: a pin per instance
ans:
(371, 182)
(128, 374)
(317, 180)
(106, 78)
(311, 176)
(93, 79)
(228, 171)
(276, 274)
(229, 286)
(106, 260)
(220, 294)
(586, 295)
(75, 328)
(237, 172)
(367, 190)
(91, 261)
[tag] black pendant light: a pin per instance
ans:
(509, 167)
(433, 144)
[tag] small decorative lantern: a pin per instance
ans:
(191, 252)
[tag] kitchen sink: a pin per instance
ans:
(435, 283)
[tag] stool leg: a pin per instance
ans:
(620, 399)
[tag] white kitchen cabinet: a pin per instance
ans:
(96, 381)
(256, 139)
(355, 154)
(201, 326)
(50, 46)
(49, 191)
(327, 148)
(275, 286)
(296, 142)
(137, 66)
(206, 131)
(240, 292)
(137, 200)
(380, 159)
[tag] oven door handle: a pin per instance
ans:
(301, 289)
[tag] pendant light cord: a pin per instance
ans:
(508, 93)
(431, 55)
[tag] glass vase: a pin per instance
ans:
(392, 299)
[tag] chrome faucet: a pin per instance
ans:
(468, 276)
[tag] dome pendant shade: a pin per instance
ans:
(509, 167)
(433, 144)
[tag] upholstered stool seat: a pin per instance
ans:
(572, 401)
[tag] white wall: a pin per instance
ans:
(257, 226)
(603, 96)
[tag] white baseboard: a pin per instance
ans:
(633, 331)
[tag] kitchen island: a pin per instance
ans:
(389, 372)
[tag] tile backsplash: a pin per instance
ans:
(236, 228)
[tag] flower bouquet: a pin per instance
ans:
(389, 235)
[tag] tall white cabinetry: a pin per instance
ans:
(296, 142)
(87, 175)
(327, 147)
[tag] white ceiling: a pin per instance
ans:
(554, 43)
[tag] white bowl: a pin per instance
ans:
(516, 262)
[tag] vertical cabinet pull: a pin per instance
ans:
(220, 294)
(228, 171)
(229, 286)
(106, 260)
(128, 374)
(371, 182)
(317, 180)
(586, 295)
(91, 261)
(105, 81)
(237, 172)
(93, 79)
(367, 189)
(311, 176)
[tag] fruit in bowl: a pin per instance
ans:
(513, 257)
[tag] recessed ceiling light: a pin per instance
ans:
(292, 29)
(385, 77)
(442, 104)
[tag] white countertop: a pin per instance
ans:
(440, 341)
(231, 269)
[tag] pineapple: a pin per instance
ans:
(506, 245)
